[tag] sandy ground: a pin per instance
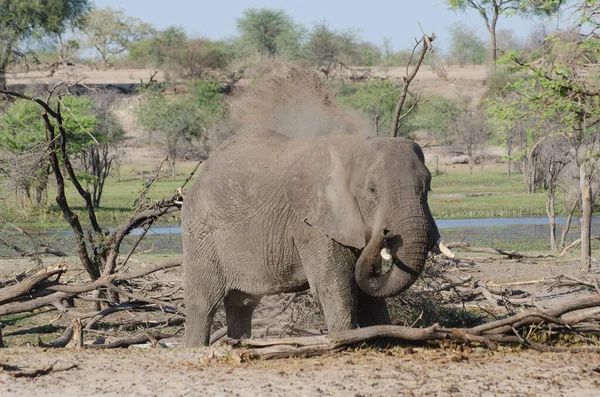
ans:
(451, 370)
(416, 372)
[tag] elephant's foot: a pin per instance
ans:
(372, 311)
(198, 323)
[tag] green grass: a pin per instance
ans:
(498, 206)
(118, 200)
(459, 181)
(485, 194)
(451, 198)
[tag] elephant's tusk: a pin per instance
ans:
(445, 250)
(386, 254)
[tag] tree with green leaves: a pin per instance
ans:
(90, 130)
(182, 118)
(171, 50)
(465, 45)
(563, 93)
(328, 49)
(270, 32)
(23, 20)
(109, 32)
(491, 10)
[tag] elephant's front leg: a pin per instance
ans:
(329, 268)
(372, 311)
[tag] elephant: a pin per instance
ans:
(268, 214)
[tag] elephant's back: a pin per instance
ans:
(236, 176)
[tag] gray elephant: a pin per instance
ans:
(269, 214)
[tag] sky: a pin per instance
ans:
(375, 19)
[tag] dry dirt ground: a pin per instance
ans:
(400, 370)
(416, 372)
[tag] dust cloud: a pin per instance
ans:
(294, 102)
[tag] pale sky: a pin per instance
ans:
(375, 19)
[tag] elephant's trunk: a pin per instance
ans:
(408, 260)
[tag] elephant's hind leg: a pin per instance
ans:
(239, 308)
(204, 289)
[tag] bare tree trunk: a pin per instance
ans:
(586, 217)
(2, 79)
(567, 226)
(531, 172)
(550, 200)
(493, 42)
(426, 45)
(471, 159)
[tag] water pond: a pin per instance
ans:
(530, 233)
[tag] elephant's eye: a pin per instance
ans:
(371, 188)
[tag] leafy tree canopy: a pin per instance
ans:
(270, 32)
(109, 32)
(25, 19)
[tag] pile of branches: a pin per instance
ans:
(523, 321)
(98, 249)
(516, 329)
(45, 289)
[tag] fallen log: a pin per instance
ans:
(26, 285)
(499, 331)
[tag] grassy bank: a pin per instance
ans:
(455, 194)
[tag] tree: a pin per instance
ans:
(562, 91)
(329, 50)
(377, 99)
(437, 116)
(172, 50)
(491, 10)
(367, 54)
(472, 130)
(268, 31)
(182, 118)
(98, 158)
(465, 45)
(92, 132)
(110, 32)
(554, 156)
(31, 19)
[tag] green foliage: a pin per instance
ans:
(367, 54)
(437, 114)
(508, 7)
(181, 117)
(465, 45)
(327, 49)
(110, 32)
(172, 51)
(22, 128)
(270, 32)
(155, 51)
(26, 18)
(372, 98)
(23, 20)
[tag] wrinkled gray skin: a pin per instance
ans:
(268, 214)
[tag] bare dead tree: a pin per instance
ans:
(553, 156)
(98, 251)
(472, 130)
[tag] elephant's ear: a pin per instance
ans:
(319, 192)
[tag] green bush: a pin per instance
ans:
(372, 98)
(436, 115)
